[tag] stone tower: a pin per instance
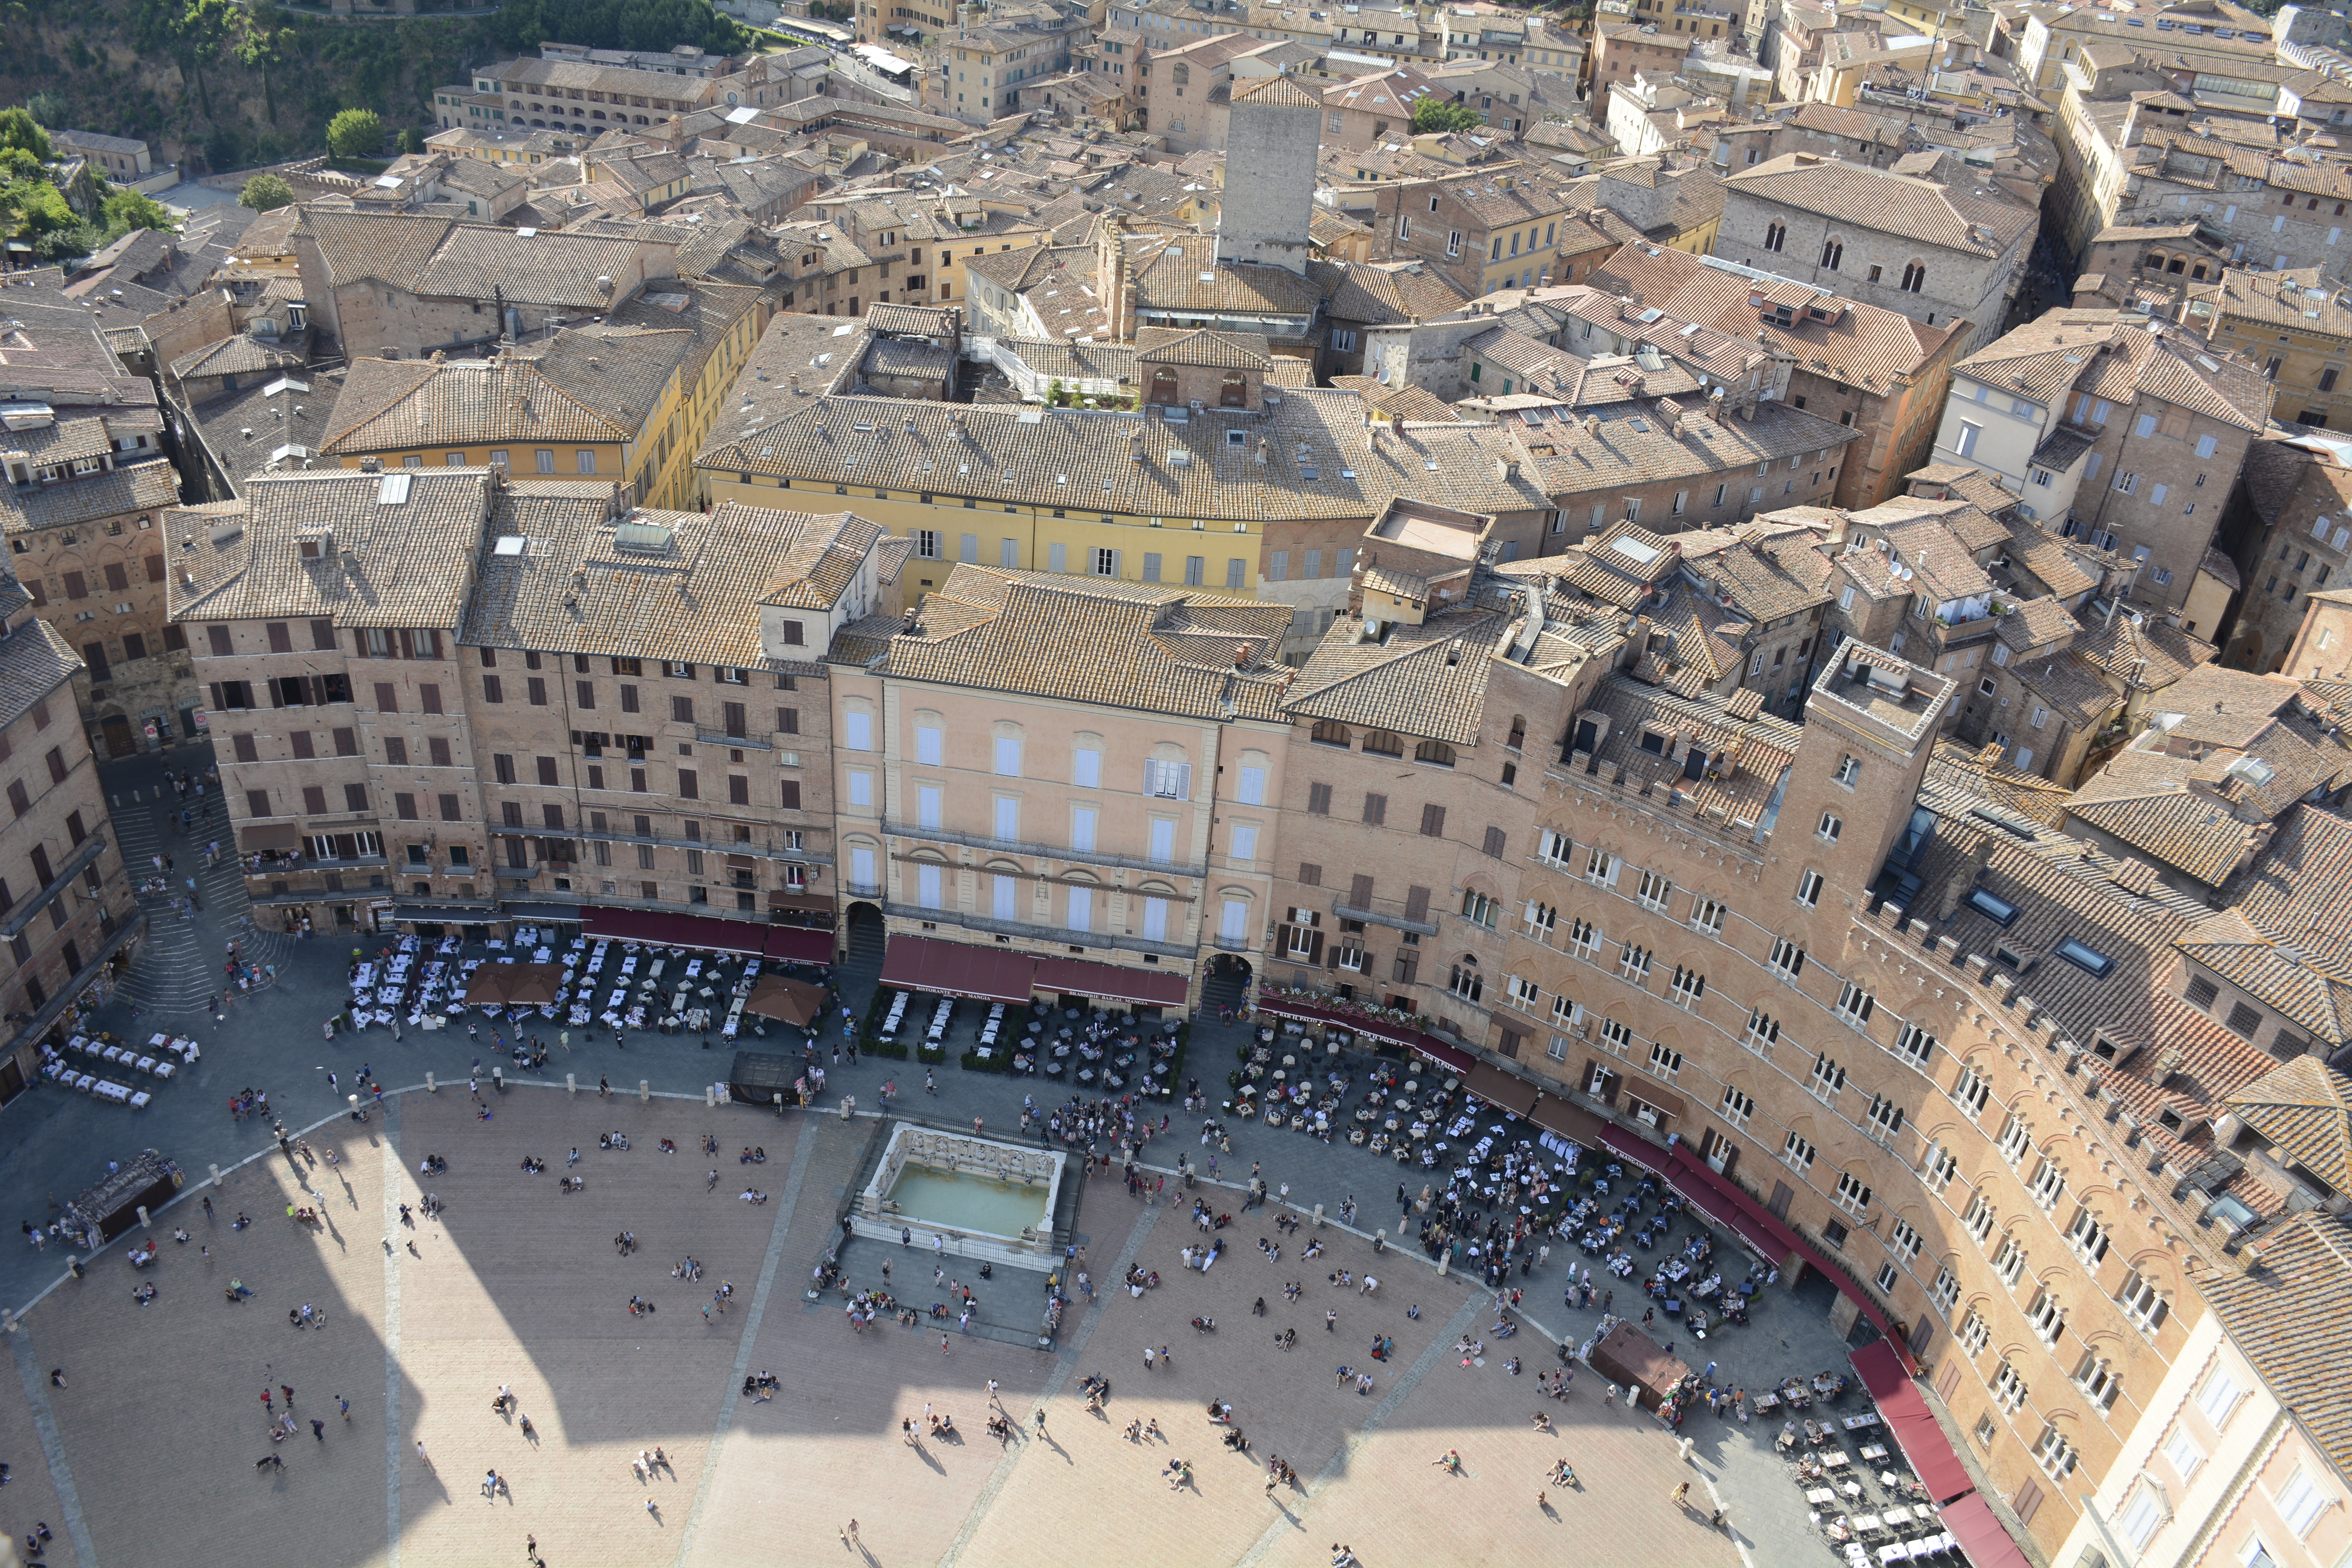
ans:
(1870, 728)
(1272, 137)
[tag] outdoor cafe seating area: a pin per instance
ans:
(547, 976)
(1857, 1486)
(1094, 1047)
(163, 1056)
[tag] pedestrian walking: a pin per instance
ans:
(344, 1405)
(849, 1535)
(317, 1428)
(1681, 1491)
(420, 1455)
(1147, 1354)
(943, 1344)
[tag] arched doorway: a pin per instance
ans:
(1226, 983)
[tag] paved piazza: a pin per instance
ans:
(145, 1457)
(518, 1283)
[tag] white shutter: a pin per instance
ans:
(1118, 563)
(928, 746)
(1008, 756)
(1155, 919)
(1233, 923)
(1085, 769)
(927, 886)
(1004, 897)
(927, 806)
(1163, 840)
(861, 867)
(1252, 792)
(1082, 909)
(1082, 828)
(858, 731)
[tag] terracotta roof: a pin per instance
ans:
(404, 547)
(1865, 346)
(2146, 654)
(2120, 356)
(1090, 640)
(2288, 1317)
(242, 355)
(2312, 991)
(1887, 203)
(390, 405)
(698, 598)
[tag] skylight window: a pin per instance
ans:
(1999, 911)
(2085, 958)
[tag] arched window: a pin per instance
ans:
(1775, 235)
(1235, 392)
(2154, 262)
(1833, 252)
(1163, 385)
(1915, 276)
(1464, 980)
(1182, 76)
(1383, 743)
(1518, 737)
(1434, 751)
(1331, 732)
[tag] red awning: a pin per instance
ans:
(1725, 1199)
(1574, 1123)
(1911, 1425)
(1981, 1537)
(799, 944)
(958, 969)
(1112, 982)
(1497, 1087)
(679, 930)
(1405, 1035)
(1641, 1152)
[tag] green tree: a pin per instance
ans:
(354, 133)
(1433, 115)
(126, 210)
(86, 192)
(19, 130)
(198, 31)
(265, 193)
(410, 140)
(263, 41)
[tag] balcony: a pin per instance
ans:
(1059, 934)
(709, 846)
(709, 737)
(862, 889)
(1375, 917)
(83, 857)
(1229, 944)
(1045, 851)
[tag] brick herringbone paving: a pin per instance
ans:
(519, 1285)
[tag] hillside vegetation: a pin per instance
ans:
(216, 85)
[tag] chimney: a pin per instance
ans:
(1839, 527)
